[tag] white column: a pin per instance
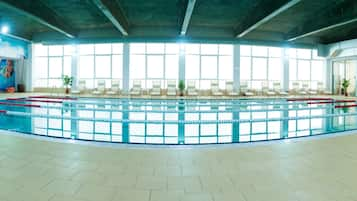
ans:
(28, 67)
(182, 62)
(126, 65)
(75, 66)
(285, 75)
(236, 67)
(328, 74)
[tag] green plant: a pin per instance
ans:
(67, 81)
(181, 85)
(345, 84)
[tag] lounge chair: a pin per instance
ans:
(156, 88)
(80, 88)
(171, 88)
(191, 88)
(136, 90)
(321, 90)
(266, 91)
(230, 89)
(244, 89)
(115, 88)
(297, 90)
(277, 89)
(100, 88)
(215, 89)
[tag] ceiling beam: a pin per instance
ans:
(338, 16)
(41, 13)
(17, 37)
(260, 17)
(187, 17)
(112, 10)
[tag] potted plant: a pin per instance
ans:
(345, 85)
(67, 82)
(181, 87)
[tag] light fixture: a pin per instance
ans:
(4, 29)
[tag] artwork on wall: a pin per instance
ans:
(7, 75)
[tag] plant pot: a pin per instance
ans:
(67, 90)
(181, 93)
(346, 93)
(21, 88)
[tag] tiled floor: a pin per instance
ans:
(312, 169)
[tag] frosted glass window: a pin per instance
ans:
(226, 49)
(41, 67)
(225, 67)
(274, 52)
(41, 50)
(172, 66)
(275, 69)
(155, 66)
(67, 65)
(192, 67)
(209, 67)
(259, 69)
(86, 67)
(155, 48)
(292, 69)
(172, 48)
(86, 49)
(192, 49)
(68, 50)
(103, 49)
(137, 66)
(209, 49)
(245, 68)
(292, 53)
(245, 50)
(102, 66)
(117, 48)
(55, 50)
(304, 54)
(117, 66)
(137, 48)
(317, 71)
(260, 51)
(55, 67)
(303, 70)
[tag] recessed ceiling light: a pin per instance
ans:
(4, 29)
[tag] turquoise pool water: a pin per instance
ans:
(176, 121)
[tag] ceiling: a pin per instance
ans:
(305, 22)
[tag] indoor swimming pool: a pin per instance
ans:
(153, 121)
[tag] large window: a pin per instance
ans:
(95, 62)
(206, 62)
(50, 64)
(259, 64)
(305, 67)
(153, 61)
(100, 62)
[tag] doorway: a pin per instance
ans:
(344, 69)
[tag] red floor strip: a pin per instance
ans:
(345, 106)
(20, 105)
(2, 111)
(53, 97)
(44, 101)
(328, 102)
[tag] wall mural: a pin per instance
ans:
(7, 75)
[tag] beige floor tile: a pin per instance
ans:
(65, 198)
(188, 184)
(197, 197)
(151, 183)
(166, 195)
(95, 192)
(64, 187)
(132, 195)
